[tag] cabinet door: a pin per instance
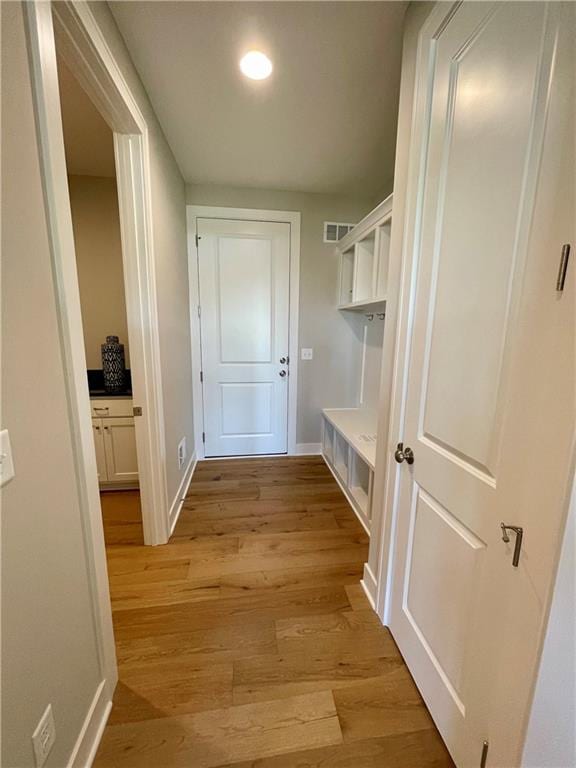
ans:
(120, 445)
(98, 431)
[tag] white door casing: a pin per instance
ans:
(489, 402)
(244, 285)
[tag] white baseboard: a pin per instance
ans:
(369, 585)
(176, 506)
(308, 449)
(92, 729)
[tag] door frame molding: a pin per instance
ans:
(293, 218)
(71, 27)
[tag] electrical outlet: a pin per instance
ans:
(182, 453)
(307, 354)
(44, 736)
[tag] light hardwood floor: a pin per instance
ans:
(247, 642)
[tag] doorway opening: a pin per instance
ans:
(92, 185)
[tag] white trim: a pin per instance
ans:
(193, 212)
(85, 50)
(308, 449)
(176, 506)
(90, 735)
(81, 43)
(369, 585)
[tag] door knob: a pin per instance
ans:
(282, 373)
(283, 361)
(518, 544)
(404, 454)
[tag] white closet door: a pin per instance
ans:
(244, 297)
(489, 410)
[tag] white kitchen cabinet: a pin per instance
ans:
(120, 450)
(115, 443)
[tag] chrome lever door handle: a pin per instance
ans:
(518, 543)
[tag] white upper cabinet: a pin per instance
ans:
(364, 256)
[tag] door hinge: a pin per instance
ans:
(137, 411)
(198, 238)
(484, 755)
(199, 310)
(203, 437)
(201, 376)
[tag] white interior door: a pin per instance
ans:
(489, 407)
(244, 273)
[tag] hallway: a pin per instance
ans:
(247, 640)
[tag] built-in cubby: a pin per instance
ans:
(364, 257)
(347, 260)
(341, 457)
(349, 434)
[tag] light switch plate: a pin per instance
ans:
(6, 461)
(307, 354)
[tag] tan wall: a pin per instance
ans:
(49, 650)
(171, 263)
(331, 378)
(96, 222)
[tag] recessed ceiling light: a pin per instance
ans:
(256, 65)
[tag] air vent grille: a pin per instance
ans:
(334, 231)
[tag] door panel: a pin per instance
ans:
(244, 277)
(459, 608)
(120, 443)
(244, 294)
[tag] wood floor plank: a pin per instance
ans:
(158, 620)
(225, 642)
(387, 705)
(210, 739)
(285, 579)
(421, 749)
(274, 522)
(247, 640)
(265, 678)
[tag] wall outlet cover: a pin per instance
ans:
(307, 354)
(44, 736)
(182, 453)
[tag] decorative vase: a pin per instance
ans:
(113, 365)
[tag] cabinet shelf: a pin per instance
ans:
(376, 305)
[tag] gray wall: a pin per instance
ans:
(171, 260)
(331, 378)
(49, 652)
(96, 222)
(49, 649)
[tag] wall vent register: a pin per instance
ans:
(334, 231)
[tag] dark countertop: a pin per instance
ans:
(96, 385)
(96, 393)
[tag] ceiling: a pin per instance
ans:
(325, 121)
(88, 141)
